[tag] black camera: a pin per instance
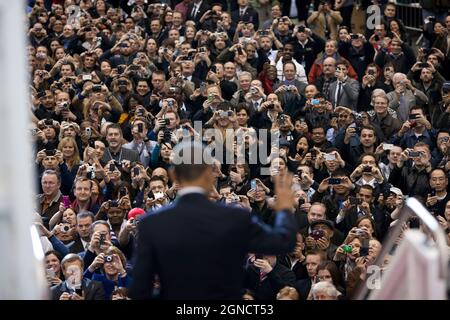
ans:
(108, 258)
(140, 127)
(50, 153)
(113, 203)
(270, 106)
(102, 239)
(334, 181)
(355, 201)
(317, 234)
(91, 143)
(122, 82)
(48, 122)
(354, 36)
(167, 136)
(367, 169)
(97, 88)
(120, 69)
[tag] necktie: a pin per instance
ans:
(242, 12)
(256, 105)
(338, 94)
(194, 11)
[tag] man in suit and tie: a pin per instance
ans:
(196, 10)
(198, 248)
(344, 91)
(85, 219)
(245, 13)
(76, 287)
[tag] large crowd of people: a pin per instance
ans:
(360, 119)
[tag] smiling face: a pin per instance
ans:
(52, 261)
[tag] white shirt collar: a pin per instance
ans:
(188, 190)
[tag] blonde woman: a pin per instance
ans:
(71, 163)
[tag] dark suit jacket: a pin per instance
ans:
(76, 246)
(278, 278)
(303, 287)
(203, 8)
(198, 249)
(250, 15)
(92, 290)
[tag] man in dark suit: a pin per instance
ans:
(313, 260)
(265, 276)
(245, 13)
(72, 268)
(197, 9)
(196, 247)
(85, 219)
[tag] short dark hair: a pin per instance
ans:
(343, 62)
(158, 178)
(114, 126)
(55, 253)
(190, 170)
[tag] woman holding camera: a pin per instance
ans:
(109, 269)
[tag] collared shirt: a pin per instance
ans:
(258, 102)
(45, 204)
(362, 182)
